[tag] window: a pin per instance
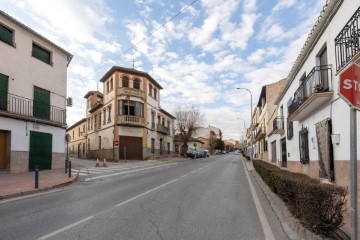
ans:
(137, 83)
(107, 87)
(41, 106)
(150, 90)
(155, 93)
(168, 147)
(4, 82)
(111, 84)
(73, 134)
(6, 35)
(109, 114)
(79, 132)
(83, 148)
(168, 124)
(304, 146)
(41, 53)
(163, 122)
(99, 142)
(88, 144)
(104, 116)
(84, 129)
(100, 120)
(95, 121)
(152, 120)
(125, 82)
(290, 130)
(132, 108)
(89, 124)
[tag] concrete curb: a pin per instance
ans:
(33, 191)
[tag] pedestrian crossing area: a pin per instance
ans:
(91, 173)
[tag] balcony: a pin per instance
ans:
(312, 93)
(23, 108)
(278, 125)
(95, 106)
(260, 133)
(129, 120)
(162, 129)
(347, 42)
(132, 92)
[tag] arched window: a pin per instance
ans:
(137, 83)
(125, 81)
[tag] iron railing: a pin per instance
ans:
(27, 107)
(347, 43)
(278, 123)
(317, 81)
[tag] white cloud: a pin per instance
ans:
(282, 4)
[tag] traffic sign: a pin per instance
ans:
(350, 86)
(116, 143)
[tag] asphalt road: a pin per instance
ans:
(208, 198)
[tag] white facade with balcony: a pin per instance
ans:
(33, 81)
(314, 136)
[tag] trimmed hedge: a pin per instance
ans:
(319, 207)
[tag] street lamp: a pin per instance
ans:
(251, 136)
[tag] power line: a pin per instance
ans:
(147, 36)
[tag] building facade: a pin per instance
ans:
(314, 136)
(126, 120)
(33, 81)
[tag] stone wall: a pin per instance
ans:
(19, 161)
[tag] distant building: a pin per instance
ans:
(208, 136)
(77, 144)
(126, 120)
(193, 144)
(32, 98)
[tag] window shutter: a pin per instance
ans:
(6, 35)
(3, 91)
(41, 106)
(40, 53)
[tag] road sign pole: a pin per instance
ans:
(353, 172)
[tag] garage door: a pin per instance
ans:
(132, 146)
(40, 150)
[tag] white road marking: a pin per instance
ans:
(65, 228)
(263, 220)
(121, 173)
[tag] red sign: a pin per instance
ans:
(116, 143)
(350, 86)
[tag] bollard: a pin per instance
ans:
(69, 168)
(36, 176)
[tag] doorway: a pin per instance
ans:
(283, 153)
(4, 149)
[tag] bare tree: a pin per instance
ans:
(188, 120)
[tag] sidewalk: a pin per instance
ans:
(19, 184)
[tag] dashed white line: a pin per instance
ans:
(65, 228)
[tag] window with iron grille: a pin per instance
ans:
(304, 145)
(41, 53)
(290, 130)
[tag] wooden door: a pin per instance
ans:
(4, 149)
(130, 148)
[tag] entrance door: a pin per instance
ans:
(283, 153)
(4, 149)
(79, 150)
(40, 150)
(161, 146)
(273, 151)
(130, 148)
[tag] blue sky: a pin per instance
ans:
(199, 57)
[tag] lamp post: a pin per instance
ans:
(251, 136)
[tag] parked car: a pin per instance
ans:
(201, 154)
(207, 154)
(191, 154)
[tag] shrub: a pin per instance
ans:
(319, 207)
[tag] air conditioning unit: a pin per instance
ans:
(69, 102)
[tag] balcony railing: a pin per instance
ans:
(162, 129)
(131, 120)
(316, 82)
(260, 133)
(131, 92)
(20, 106)
(347, 43)
(278, 125)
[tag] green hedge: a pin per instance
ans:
(319, 207)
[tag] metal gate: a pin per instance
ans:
(40, 150)
(131, 148)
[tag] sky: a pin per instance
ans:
(198, 51)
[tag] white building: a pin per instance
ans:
(33, 77)
(314, 138)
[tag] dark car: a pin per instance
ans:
(191, 154)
